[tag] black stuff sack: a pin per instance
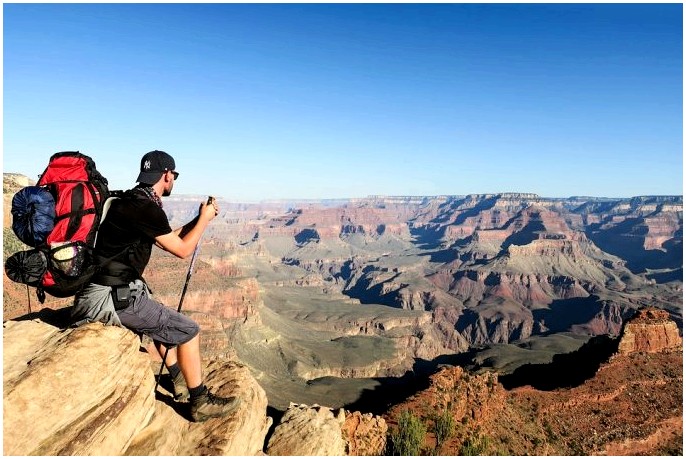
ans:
(27, 267)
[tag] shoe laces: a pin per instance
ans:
(215, 399)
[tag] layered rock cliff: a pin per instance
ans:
(650, 330)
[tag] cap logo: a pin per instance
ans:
(146, 164)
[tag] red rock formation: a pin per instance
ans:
(641, 226)
(473, 401)
(365, 434)
(214, 339)
(331, 223)
(650, 330)
(526, 289)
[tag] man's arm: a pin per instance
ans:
(182, 241)
(182, 231)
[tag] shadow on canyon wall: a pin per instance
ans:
(562, 314)
(668, 276)
(427, 238)
(367, 292)
(390, 391)
(430, 240)
(618, 241)
(565, 371)
(525, 236)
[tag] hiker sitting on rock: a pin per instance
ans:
(117, 294)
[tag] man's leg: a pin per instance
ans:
(177, 377)
(171, 354)
(188, 356)
(162, 324)
(204, 404)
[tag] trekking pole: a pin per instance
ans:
(183, 294)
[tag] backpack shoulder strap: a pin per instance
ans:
(105, 208)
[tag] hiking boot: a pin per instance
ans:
(209, 405)
(180, 390)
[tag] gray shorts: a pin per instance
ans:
(162, 324)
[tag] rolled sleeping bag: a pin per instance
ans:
(33, 215)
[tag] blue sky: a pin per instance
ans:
(274, 101)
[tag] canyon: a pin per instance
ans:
(368, 292)
(355, 303)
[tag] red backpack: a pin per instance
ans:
(63, 262)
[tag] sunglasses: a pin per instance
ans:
(174, 173)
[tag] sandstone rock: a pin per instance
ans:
(308, 431)
(84, 391)
(650, 330)
(365, 434)
(89, 391)
(242, 433)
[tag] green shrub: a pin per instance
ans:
(444, 427)
(474, 446)
(408, 438)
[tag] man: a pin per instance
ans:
(134, 222)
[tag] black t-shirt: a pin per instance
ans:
(127, 234)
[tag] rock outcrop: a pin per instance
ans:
(472, 399)
(650, 330)
(365, 434)
(319, 431)
(240, 434)
(89, 391)
(308, 431)
(84, 391)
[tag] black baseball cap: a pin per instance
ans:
(153, 165)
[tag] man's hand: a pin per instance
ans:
(209, 209)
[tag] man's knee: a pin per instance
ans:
(195, 333)
(181, 328)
